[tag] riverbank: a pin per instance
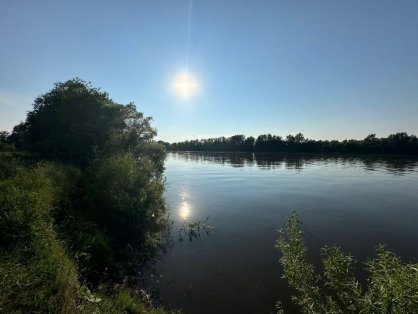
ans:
(81, 205)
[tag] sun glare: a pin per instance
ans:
(184, 85)
(185, 207)
(184, 210)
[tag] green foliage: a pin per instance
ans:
(126, 198)
(392, 285)
(297, 269)
(119, 184)
(23, 199)
(91, 248)
(85, 206)
(74, 120)
(126, 301)
(67, 122)
(193, 230)
(36, 274)
(5, 143)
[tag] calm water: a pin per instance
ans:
(353, 202)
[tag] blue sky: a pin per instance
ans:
(328, 69)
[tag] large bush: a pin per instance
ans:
(125, 197)
(85, 206)
(120, 191)
(75, 119)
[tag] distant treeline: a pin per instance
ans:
(267, 161)
(399, 143)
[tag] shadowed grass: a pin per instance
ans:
(37, 273)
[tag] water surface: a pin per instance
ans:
(353, 202)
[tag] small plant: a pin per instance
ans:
(392, 286)
(193, 230)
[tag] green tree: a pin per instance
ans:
(75, 119)
(290, 138)
(5, 141)
(88, 217)
(120, 191)
(4, 136)
(299, 138)
(249, 143)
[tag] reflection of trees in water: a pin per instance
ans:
(394, 166)
(234, 160)
(265, 161)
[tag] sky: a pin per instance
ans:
(330, 69)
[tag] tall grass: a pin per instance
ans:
(39, 272)
(36, 274)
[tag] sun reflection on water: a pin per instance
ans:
(184, 207)
(184, 210)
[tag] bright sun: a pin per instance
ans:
(184, 85)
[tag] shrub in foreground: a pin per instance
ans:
(392, 286)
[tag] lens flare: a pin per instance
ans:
(184, 85)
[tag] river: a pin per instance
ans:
(353, 202)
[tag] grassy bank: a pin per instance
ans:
(45, 268)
